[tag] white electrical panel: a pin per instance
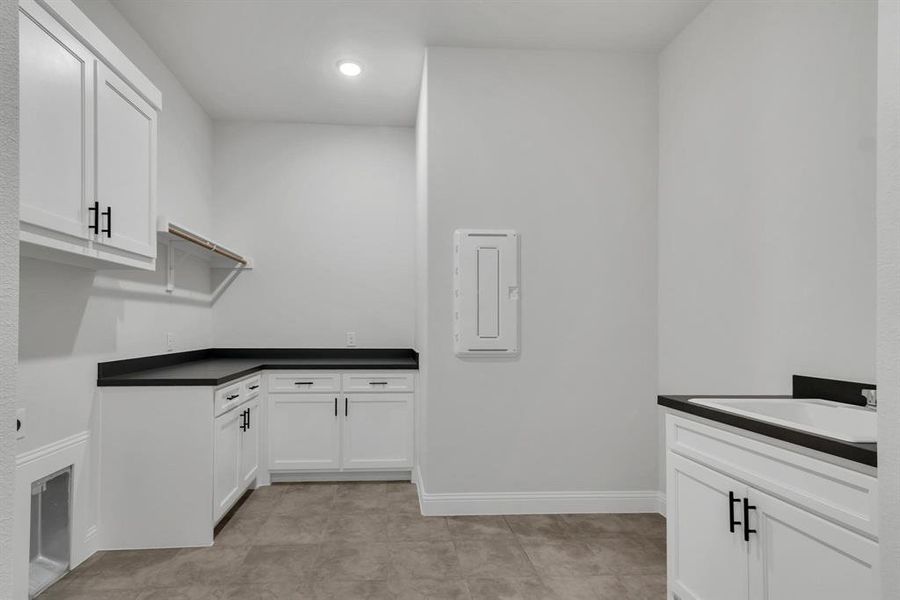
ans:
(485, 292)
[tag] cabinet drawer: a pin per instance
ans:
(375, 382)
(280, 383)
(228, 397)
(835, 492)
(252, 386)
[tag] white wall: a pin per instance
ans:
(9, 275)
(561, 146)
(328, 214)
(767, 197)
(73, 318)
(889, 294)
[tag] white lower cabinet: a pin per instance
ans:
(796, 554)
(334, 422)
(226, 479)
(753, 521)
(236, 455)
(708, 555)
(304, 432)
(377, 431)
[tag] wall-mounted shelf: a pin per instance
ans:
(217, 255)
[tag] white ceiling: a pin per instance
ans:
(275, 59)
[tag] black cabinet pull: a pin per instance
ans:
(747, 531)
(252, 387)
(346, 409)
(108, 214)
(378, 383)
(303, 383)
(243, 420)
(335, 406)
(731, 501)
(232, 397)
(96, 209)
(248, 418)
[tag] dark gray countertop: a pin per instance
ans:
(866, 454)
(214, 367)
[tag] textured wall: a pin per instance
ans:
(328, 214)
(9, 274)
(767, 197)
(561, 146)
(889, 293)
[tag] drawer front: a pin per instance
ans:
(228, 397)
(252, 386)
(834, 492)
(281, 383)
(378, 382)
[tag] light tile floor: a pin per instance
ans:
(368, 541)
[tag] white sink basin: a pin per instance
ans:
(821, 417)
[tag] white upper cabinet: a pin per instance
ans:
(126, 166)
(88, 131)
(55, 124)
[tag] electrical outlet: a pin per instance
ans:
(170, 341)
(351, 339)
(20, 423)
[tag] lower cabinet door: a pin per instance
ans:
(797, 555)
(226, 482)
(706, 559)
(378, 431)
(250, 444)
(304, 432)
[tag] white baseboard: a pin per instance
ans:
(298, 477)
(661, 498)
(523, 503)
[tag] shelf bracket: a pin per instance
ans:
(170, 268)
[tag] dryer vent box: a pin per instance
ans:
(486, 292)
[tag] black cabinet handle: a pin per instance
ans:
(346, 409)
(303, 382)
(731, 502)
(252, 387)
(248, 418)
(96, 209)
(243, 420)
(747, 531)
(108, 214)
(335, 406)
(232, 397)
(378, 383)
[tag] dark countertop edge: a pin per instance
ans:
(866, 454)
(169, 381)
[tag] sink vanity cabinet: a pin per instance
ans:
(753, 520)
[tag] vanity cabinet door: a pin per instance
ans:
(250, 443)
(706, 560)
(796, 554)
(226, 482)
(378, 431)
(304, 432)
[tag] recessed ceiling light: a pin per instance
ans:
(349, 68)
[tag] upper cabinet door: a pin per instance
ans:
(796, 554)
(126, 166)
(707, 554)
(56, 90)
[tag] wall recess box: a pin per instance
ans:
(485, 292)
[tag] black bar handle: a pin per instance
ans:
(378, 383)
(346, 409)
(96, 209)
(108, 214)
(232, 397)
(304, 382)
(252, 387)
(248, 419)
(243, 420)
(335, 406)
(731, 521)
(747, 531)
